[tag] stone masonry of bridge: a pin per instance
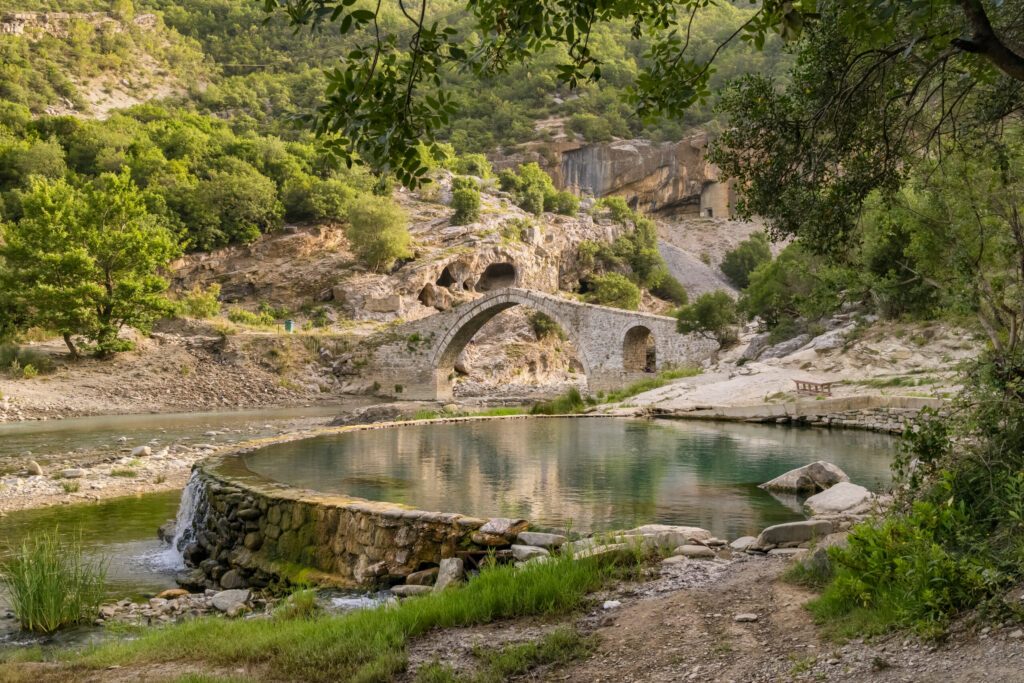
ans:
(417, 359)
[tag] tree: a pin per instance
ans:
(613, 289)
(712, 315)
(740, 262)
(387, 96)
(85, 261)
(466, 204)
(378, 231)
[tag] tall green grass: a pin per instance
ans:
(368, 645)
(51, 582)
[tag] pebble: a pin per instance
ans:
(745, 618)
(611, 604)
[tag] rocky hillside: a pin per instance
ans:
(92, 63)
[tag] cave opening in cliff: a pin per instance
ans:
(445, 279)
(427, 297)
(496, 276)
(639, 353)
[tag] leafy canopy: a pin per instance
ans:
(387, 95)
(85, 261)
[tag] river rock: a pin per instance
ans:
(232, 579)
(449, 573)
(192, 580)
(225, 600)
(522, 553)
(743, 543)
(34, 469)
(842, 497)
(166, 531)
(73, 473)
(792, 533)
(141, 451)
(696, 552)
(499, 531)
(407, 590)
(541, 540)
(172, 593)
(745, 618)
(817, 476)
(504, 526)
(425, 577)
(668, 535)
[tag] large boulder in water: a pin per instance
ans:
(812, 478)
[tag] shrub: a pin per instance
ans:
(532, 201)
(671, 289)
(466, 203)
(471, 164)
(739, 263)
(562, 202)
(378, 231)
(52, 584)
(567, 404)
(15, 357)
(199, 302)
(905, 572)
(620, 211)
(795, 284)
(544, 325)
(613, 289)
(713, 315)
(241, 316)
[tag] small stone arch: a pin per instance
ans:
(497, 276)
(639, 351)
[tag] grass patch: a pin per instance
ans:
(70, 486)
(52, 584)
(656, 382)
(367, 645)
(126, 472)
(568, 403)
(561, 646)
(574, 402)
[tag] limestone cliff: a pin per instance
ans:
(665, 178)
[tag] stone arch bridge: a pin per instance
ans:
(615, 346)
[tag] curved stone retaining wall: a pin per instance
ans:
(250, 532)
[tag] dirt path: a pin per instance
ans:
(693, 635)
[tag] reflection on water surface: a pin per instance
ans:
(588, 473)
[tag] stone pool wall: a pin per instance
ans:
(251, 533)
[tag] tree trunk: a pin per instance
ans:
(71, 346)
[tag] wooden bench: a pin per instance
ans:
(813, 388)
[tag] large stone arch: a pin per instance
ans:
(476, 315)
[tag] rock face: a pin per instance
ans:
(654, 177)
(840, 498)
(817, 476)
